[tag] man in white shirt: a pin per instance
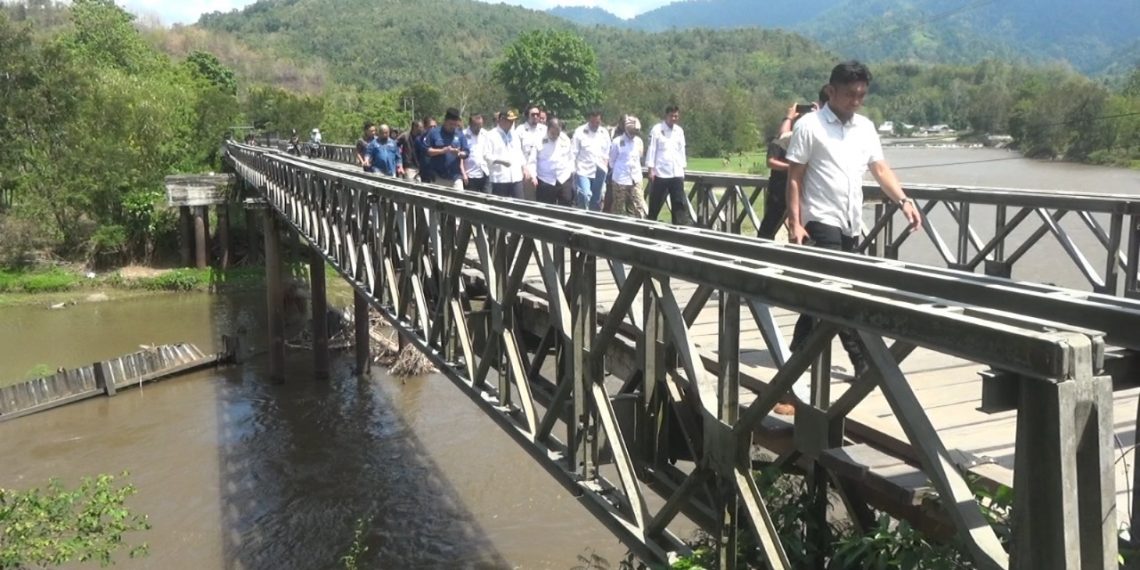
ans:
(531, 132)
(552, 163)
(591, 158)
(626, 152)
(666, 161)
(829, 152)
(503, 154)
(476, 163)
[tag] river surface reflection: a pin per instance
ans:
(236, 473)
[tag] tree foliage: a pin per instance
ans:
(56, 525)
(555, 69)
(93, 119)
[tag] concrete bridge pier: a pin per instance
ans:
(275, 298)
(320, 308)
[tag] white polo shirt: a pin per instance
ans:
(591, 150)
(666, 152)
(476, 162)
(625, 159)
(503, 146)
(836, 155)
(553, 161)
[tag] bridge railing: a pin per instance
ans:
(967, 228)
(972, 228)
(406, 249)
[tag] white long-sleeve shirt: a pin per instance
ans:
(476, 162)
(625, 159)
(666, 152)
(553, 160)
(507, 147)
(591, 150)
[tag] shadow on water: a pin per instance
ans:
(302, 465)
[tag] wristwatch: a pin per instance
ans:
(904, 202)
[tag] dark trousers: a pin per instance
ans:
(477, 185)
(561, 193)
(829, 237)
(508, 189)
(775, 208)
(675, 189)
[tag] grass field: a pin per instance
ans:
(747, 163)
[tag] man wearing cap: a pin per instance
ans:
(475, 164)
(503, 154)
(666, 160)
(591, 158)
(447, 149)
(626, 152)
(552, 163)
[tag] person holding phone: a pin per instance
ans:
(829, 152)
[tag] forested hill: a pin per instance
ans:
(398, 42)
(1089, 34)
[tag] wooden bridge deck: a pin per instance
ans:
(949, 388)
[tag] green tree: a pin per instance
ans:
(556, 69)
(207, 67)
(54, 526)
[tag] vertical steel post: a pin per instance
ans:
(275, 298)
(320, 314)
(363, 341)
(224, 235)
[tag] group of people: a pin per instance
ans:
(818, 161)
(540, 158)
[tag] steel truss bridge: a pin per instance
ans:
(610, 349)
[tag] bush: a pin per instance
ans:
(177, 280)
(54, 526)
(51, 281)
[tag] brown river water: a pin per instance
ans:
(236, 473)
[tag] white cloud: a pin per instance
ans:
(181, 12)
(175, 12)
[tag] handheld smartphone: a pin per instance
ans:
(803, 108)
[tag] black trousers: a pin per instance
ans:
(829, 237)
(675, 189)
(561, 193)
(508, 189)
(775, 208)
(477, 185)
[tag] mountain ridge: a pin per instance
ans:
(1089, 35)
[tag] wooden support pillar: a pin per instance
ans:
(363, 341)
(186, 235)
(201, 237)
(275, 296)
(223, 233)
(1064, 509)
(320, 315)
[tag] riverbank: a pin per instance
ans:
(71, 284)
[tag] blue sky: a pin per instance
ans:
(187, 12)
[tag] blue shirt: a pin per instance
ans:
(384, 156)
(446, 166)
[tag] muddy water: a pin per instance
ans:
(235, 473)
